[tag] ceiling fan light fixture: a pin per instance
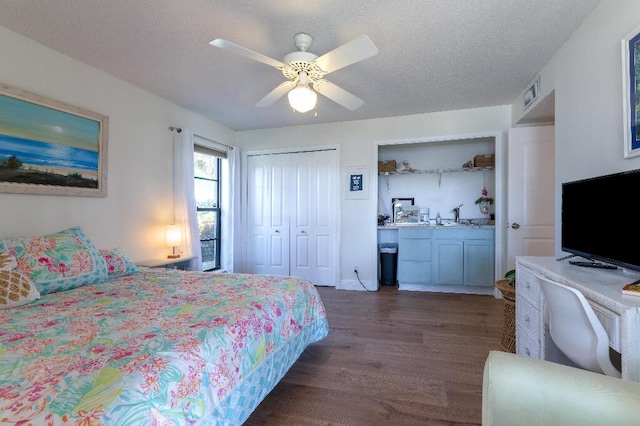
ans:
(302, 98)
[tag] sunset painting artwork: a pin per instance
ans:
(45, 146)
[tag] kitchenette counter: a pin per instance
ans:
(462, 225)
(453, 257)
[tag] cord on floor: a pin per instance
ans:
(358, 277)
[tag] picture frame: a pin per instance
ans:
(49, 147)
(630, 92)
(409, 215)
(356, 183)
(531, 93)
(398, 208)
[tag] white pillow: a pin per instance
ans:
(16, 289)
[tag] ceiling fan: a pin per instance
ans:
(304, 69)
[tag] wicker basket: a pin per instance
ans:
(485, 160)
(389, 166)
(508, 339)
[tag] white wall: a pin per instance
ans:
(140, 192)
(358, 141)
(586, 75)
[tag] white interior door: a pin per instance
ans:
(313, 227)
(292, 215)
(267, 238)
(530, 192)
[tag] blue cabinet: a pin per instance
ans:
(463, 257)
(455, 256)
(479, 263)
(414, 257)
(448, 259)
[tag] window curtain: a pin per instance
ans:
(229, 208)
(184, 196)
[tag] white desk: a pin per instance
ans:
(619, 314)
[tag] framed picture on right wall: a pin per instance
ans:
(631, 92)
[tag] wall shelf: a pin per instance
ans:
(456, 170)
(439, 171)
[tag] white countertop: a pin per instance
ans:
(446, 225)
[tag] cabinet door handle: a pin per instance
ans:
(527, 351)
(515, 225)
(526, 318)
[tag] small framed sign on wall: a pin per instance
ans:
(356, 183)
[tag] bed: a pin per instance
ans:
(143, 346)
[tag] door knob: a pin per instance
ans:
(515, 225)
(277, 231)
(302, 232)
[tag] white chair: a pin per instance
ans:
(576, 329)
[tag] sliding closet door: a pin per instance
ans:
(313, 225)
(292, 215)
(267, 215)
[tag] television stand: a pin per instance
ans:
(589, 264)
(566, 257)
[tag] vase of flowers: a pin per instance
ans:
(484, 202)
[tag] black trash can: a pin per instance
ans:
(388, 263)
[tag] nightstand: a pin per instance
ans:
(181, 263)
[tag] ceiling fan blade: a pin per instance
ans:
(232, 47)
(339, 95)
(276, 94)
(347, 54)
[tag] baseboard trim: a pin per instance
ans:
(462, 289)
(355, 285)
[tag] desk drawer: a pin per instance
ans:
(528, 319)
(611, 323)
(528, 286)
(525, 346)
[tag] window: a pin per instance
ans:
(207, 165)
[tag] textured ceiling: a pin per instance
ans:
(434, 55)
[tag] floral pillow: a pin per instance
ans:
(57, 262)
(118, 263)
(16, 289)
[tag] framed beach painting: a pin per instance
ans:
(49, 147)
(631, 92)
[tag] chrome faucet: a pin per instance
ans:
(456, 213)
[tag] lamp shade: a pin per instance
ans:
(302, 99)
(174, 236)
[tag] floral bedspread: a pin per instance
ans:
(158, 347)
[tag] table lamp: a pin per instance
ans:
(174, 239)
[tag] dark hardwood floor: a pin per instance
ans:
(391, 357)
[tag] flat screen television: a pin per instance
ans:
(599, 220)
